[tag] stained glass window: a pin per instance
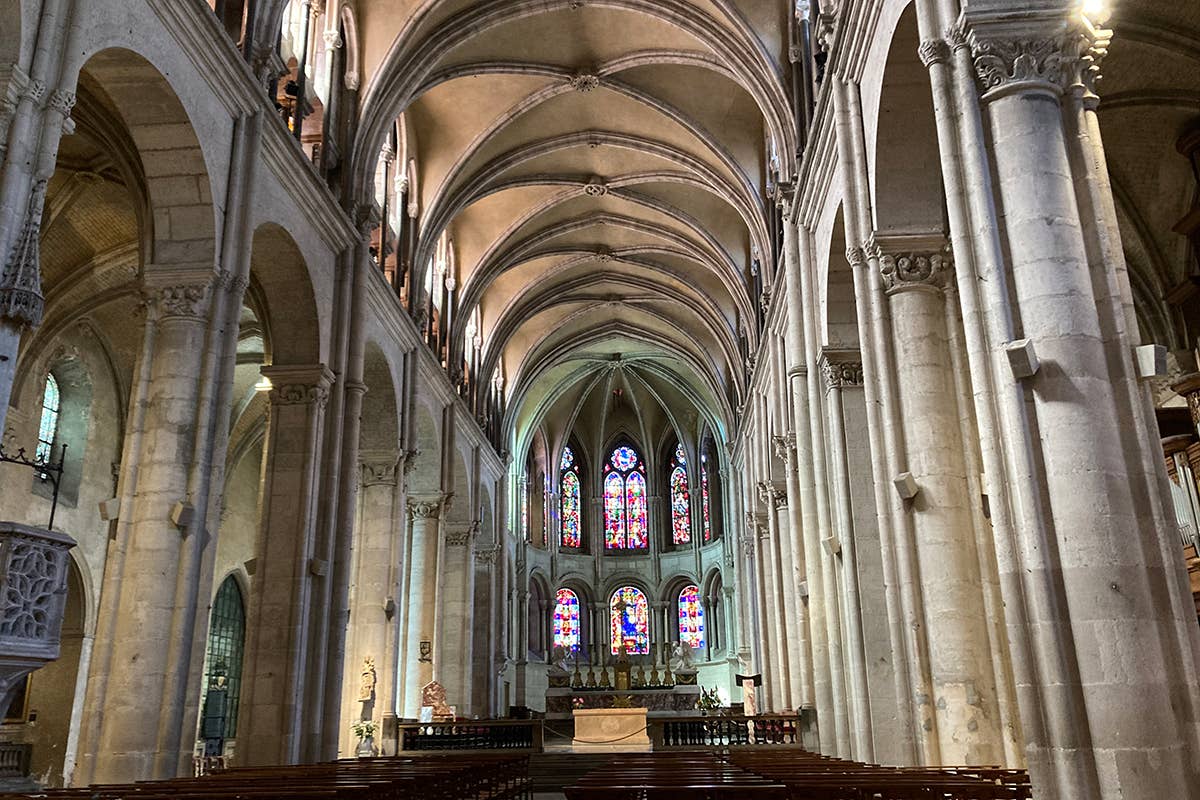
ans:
(48, 429)
(525, 508)
(704, 499)
(630, 619)
(566, 620)
(681, 514)
(691, 617)
(614, 510)
(625, 501)
(223, 655)
(570, 511)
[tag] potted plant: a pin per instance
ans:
(709, 701)
(365, 730)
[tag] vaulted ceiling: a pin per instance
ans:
(603, 168)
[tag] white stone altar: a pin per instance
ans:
(610, 730)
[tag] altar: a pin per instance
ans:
(673, 701)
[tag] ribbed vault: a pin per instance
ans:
(604, 170)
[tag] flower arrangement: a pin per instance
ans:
(709, 700)
(365, 728)
(577, 702)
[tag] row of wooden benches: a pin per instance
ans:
(788, 775)
(463, 776)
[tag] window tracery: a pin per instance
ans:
(625, 501)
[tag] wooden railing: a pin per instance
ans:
(503, 734)
(725, 731)
(14, 759)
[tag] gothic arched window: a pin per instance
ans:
(630, 621)
(705, 499)
(570, 515)
(566, 620)
(681, 512)
(48, 428)
(625, 501)
(223, 661)
(691, 617)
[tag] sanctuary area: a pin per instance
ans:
(701, 398)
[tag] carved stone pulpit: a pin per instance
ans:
(33, 596)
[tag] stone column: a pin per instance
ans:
(455, 641)
(280, 616)
(965, 706)
(374, 630)
(425, 516)
(777, 617)
(145, 601)
(1106, 634)
(843, 370)
(755, 548)
(787, 512)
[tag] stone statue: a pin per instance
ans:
(366, 689)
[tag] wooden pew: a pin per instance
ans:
(463, 776)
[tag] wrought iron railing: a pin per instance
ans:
(49, 470)
(522, 734)
(726, 731)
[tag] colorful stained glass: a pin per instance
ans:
(625, 501)
(48, 428)
(525, 509)
(691, 617)
(566, 620)
(630, 621)
(704, 501)
(568, 459)
(681, 514)
(636, 502)
(624, 458)
(569, 510)
(614, 510)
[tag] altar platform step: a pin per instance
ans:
(550, 772)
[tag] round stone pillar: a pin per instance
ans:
(425, 515)
(964, 704)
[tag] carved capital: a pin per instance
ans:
(379, 469)
(461, 537)
(301, 385)
(1052, 55)
(486, 556)
(908, 262)
(841, 369)
(428, 507)
(934, 51)
(61, 102)
(185, 301)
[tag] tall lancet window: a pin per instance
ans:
(625, 501)
(48, 428)
(630, 619)
(705, 501)
(566, 620)
(570, 515)
(681, 513)
(691, 617)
